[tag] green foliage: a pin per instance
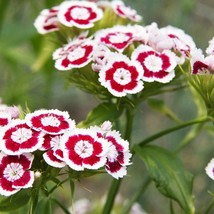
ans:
(169, 175)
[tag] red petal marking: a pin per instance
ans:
(24, 161)
(4, 121)
(160, 74)
(65, 62)
(58, 152)
(91, 160)
(11, 145)
(6, 185)
(119, 147)
(22, 181)
(113, 166)
(75, 158)
(50, 27)
(199, 66)
(47, 142)
(52, 157)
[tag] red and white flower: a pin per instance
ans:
(47, 21)
(81, 14)
(125, 12)
(210, 48)
(121, 76)
(118, 156)
(14, 173)
(75, 54)
(201, 64)
(51, 122)
(17, 138)
(156, 66)
(118, 37)
(54, 155)
(83, 149)
(210, 169)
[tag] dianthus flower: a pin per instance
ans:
(121, 76)
(54, 155)
(82, 149)
(124, 11)
(51, 122)
(47, 21)
(210, 48)
(14, 173)
(75, 54)
(118, 37)
(156, 66)
(17, 138)
(81, 14)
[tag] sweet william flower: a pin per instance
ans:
(51, 122)
(118, 37)
(14, 173)
(81, 14)
(75, 54)
(82, 149)
(210, 169)
(5, 118)
(156, 66)
(210, 48)
(121, 76)
(54, 155)
(17, 138)
(47, 21)
(124, 11)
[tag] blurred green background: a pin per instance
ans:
(28, 78)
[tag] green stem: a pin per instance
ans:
(175, 128)
(209, 208)
(137, 195)
(115, 185)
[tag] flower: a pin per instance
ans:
(125, 12)
(47, 21)
(75, 54)
(121, 76)
(210, 169)
(156, 66)
(14, 173)
(52, 121)
(17, 138)
(54, 155)
(81, 14)
(210, 48)
(118, 37)
(83, 149)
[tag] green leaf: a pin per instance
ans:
(44, 206)
(14, 202)
(169, 175)
(103, 112)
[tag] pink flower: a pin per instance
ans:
(83, 149)
(201, 64)
(156, 66)
(14, 173)
(54, 155)
(75, 54)
(81, 14)
(125, 12)
(210, 169)
(17, 138)
(52, 122)
(118, 37)
(47, 21)
(121, 76)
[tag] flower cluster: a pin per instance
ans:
(62, 143)
(124, 56)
